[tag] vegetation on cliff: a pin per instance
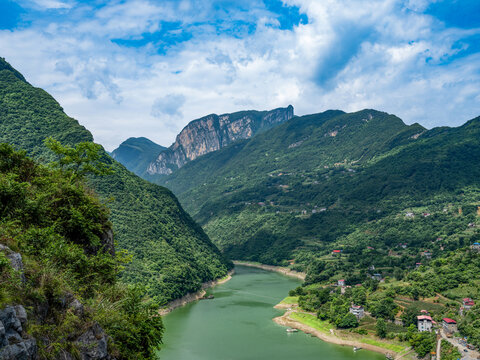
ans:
(69, 281)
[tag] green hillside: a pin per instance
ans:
(137, 153)
(171, 253)
(319, 181)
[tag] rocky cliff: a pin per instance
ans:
(214, 132)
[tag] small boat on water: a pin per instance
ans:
(292, 330)
(356, 348)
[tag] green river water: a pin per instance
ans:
(237, 325)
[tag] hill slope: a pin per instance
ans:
(171, 253)
(137, 153)
(305, 186)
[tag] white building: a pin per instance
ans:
(357, 310)
(424, 323)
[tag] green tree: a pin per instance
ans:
(381, 328)
(85, 158)
(348, 321)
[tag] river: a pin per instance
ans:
(237, 325)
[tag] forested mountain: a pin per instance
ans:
(327, 180)
(171, 255)
(137, 153)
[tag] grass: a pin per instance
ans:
(290, 300)
(312, 321)
(384, 345)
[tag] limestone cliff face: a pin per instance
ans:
(214, 132)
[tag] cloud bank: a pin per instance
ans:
(146, 68)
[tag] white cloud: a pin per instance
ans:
(351, 55)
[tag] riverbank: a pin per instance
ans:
(184, 300)
(309, 324)
(279, 269)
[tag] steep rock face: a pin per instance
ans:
(15, 343)
(214, 132)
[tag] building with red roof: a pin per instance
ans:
(449, 325)
(424, 323)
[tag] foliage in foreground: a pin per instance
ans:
(59, 227)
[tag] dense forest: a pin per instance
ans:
(171, 255)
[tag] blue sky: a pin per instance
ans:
(146, 68)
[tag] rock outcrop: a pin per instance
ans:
(15, 259)
(214, 132)
(15, 344)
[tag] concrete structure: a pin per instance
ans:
(358, 311)
(475, 247)
(449, 325)
(341, 282)
(424, 323)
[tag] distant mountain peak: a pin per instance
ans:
(213, 132)
(4, 65)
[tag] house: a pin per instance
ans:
(426, 214)
(424, 323)
(475, 246)
(372, 267)
(370, 248)
(358, 311)
(410, 215)
(417, 265)
(377, 277)
(403, 246)
(341, 282)
(472, 225)
(427, 254)
(449, 325)
(468, 304)
(336, 252)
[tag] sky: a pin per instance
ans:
(146, 68)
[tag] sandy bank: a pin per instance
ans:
(286, 320)
(184, 300)
(279, 269)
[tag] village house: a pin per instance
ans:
(424, 323)
(372, 267)
(341, 282)
(426, 214)
(410, 215)
(468, 304)
(449, 325)
(417, 265)
(472, 225)
(336, 252)
(475, 247)
(358, 311)
(427, 254)
(377, 277)
(403, 246)
(370, 248)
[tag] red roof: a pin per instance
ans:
(337, 251)
(424, 317)
(341, 280)
(449, 321)
(424, 311)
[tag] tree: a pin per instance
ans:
(85, 158)
(409, 316)
(381, 328)
(423, 343)
(348, 321)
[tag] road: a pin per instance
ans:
(468, 355)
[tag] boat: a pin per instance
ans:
(292, 330)
(356, 348)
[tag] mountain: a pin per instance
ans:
(171, 255)
(137, 153)
(335, 180)
(214, 132)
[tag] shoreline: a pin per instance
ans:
(278, 269)
(191, 297)
(285, 320)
